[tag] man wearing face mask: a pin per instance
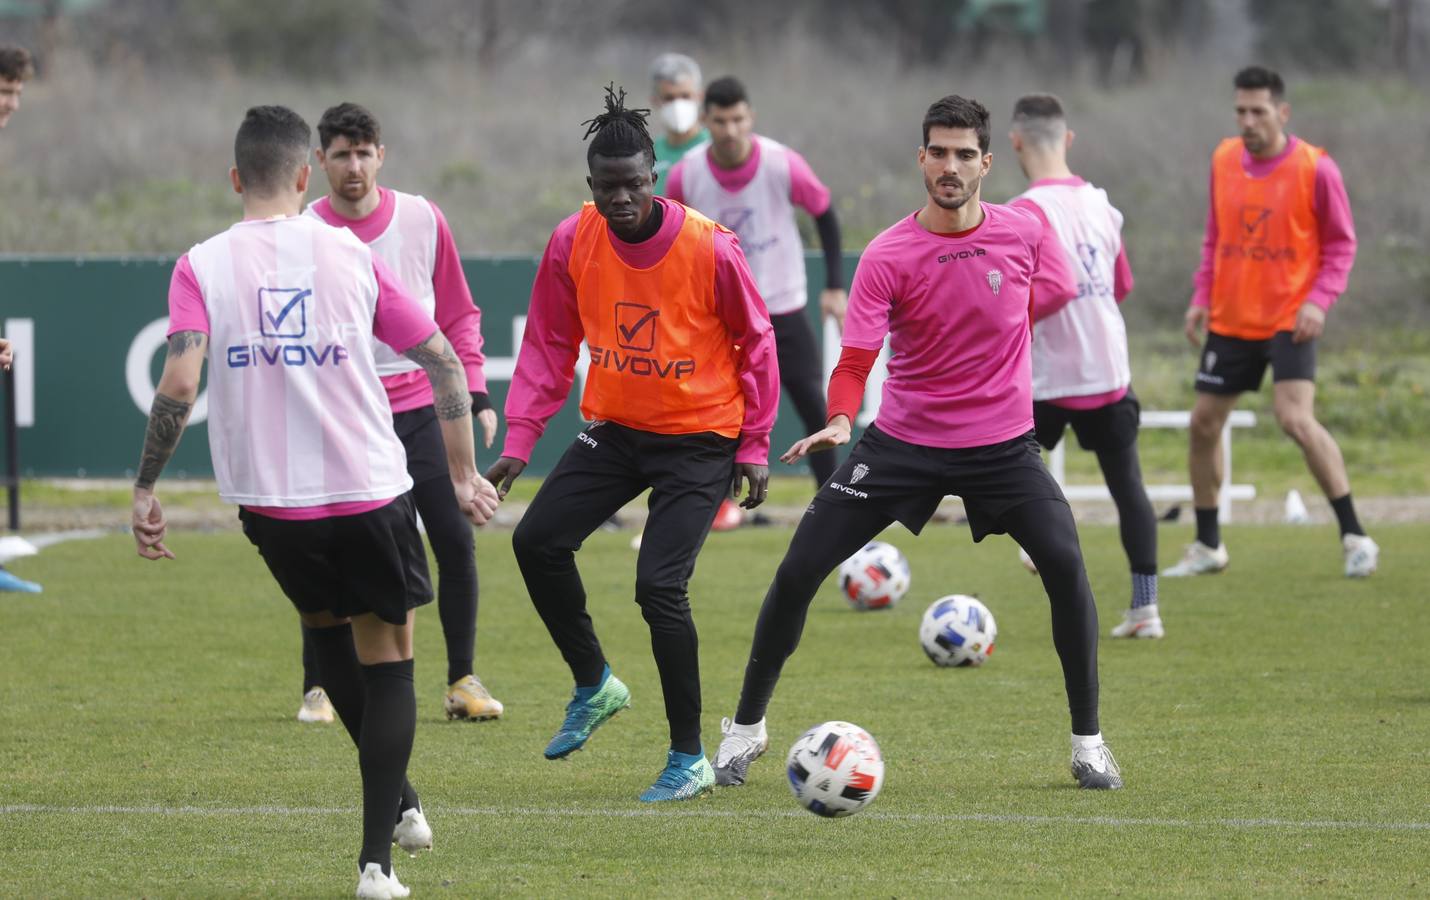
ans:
(752, 185)
(675, 93)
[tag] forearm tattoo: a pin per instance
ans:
(166, 423)
(449, 382)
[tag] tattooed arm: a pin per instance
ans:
(454, 414)
(178, 388)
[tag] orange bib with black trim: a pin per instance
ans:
(661, 358)
(1268, 248)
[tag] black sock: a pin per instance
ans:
(338, 671)
(1208, 528)
(1346, 515)
(310, 662)
(389, 723)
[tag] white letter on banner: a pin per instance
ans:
(146, 343)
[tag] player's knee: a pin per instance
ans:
(1205, 429)
(453, 547)
(660, 601)
(530, 541)
(1297, 423)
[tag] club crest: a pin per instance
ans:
(995, 280)
(860, 470)
(1210, 362)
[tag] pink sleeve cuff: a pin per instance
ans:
(521, 437)
(1200, 298)
(476, 378)
(1322, 299)
(754, 448)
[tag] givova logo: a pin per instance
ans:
(283, 314)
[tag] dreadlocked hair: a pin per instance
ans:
(619, 131)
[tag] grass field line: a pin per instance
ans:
(577, 813)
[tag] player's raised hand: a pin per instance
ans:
(487, 418)
(1196, 323)
(503, 472)
(758, 478)
(835, 434)
(7, 355)
(149, 526)
(1310, 322)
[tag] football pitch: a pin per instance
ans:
(1276, 742)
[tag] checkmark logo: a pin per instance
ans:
(283, 312)
(1253, 220)
(635, 326)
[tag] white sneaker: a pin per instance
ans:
(739, 746)
(1362, 554)
(373, 885)
(316, 707)
(1143, 622)
(1093, 765)
(413, 833)
(1027, 561)
(1199, 559)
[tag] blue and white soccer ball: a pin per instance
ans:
(875, 577)
(835, 769)
(958, 630)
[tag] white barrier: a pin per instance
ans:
(1180, 492)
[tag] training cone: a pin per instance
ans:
(1296, 513)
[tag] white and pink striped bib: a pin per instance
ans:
(1082, 348)
(762, 215)
(297, 415)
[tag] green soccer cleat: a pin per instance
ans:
(585, 716)
(686, 775)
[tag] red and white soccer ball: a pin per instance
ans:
(958, 630)
(835, 769)
(875, 577)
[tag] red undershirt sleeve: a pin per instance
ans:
(846, 384)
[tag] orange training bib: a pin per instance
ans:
(1268, 247)
(661, 359)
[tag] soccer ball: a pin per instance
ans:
(875, 577)
(958, 630)
(835, 769)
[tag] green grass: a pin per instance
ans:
(1283, 692)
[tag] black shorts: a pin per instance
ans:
(908, 481)
(1231, 365)
(373, 562)
(421, 437)
(1109, 427)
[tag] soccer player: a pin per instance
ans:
(1081, 374)
(681, 394)
(950, 286)
(1279, 246)
(302, 440)
(751, 185)
(15, 70)
(675, 93)
(411, 236)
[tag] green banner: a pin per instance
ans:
(89, 336)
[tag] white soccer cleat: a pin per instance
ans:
(316, 707)
(1027, 560)
(413, 833)
(1093, 765)
(739, 746)
(373, 885)
(1362, 555)
(1143, 622)
(1199, 559)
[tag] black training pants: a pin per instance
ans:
(830, 532)
(607, 467)
(802, 381)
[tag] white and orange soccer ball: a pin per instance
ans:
(875, 577)
(958, 630)
(835, 769)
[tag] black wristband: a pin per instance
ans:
(480, 401)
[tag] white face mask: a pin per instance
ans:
(680, 115)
